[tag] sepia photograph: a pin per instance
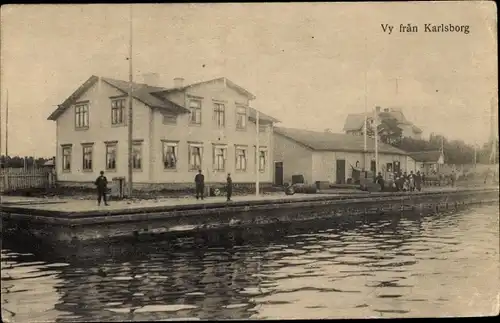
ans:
(249, 161)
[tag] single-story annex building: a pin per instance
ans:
(428, 162)
(330, 157)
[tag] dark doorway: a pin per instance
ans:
(278, 173)
(397, 167)
(373, 166)
(389, 167)
(340, 171)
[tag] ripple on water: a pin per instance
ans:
(377, 269)
(165, 308)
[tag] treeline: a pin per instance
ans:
(455, 151)
(20, 162)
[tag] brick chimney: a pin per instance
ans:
(178, 82)
(152, 79)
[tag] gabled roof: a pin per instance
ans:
(142, 92)
(354, 121)
(431, 156)
(223, 79)
(326, 141)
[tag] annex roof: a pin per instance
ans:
(326, 141)
(431, 156)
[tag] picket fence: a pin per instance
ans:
(12, 179)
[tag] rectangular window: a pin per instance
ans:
(241, 118)
(195, 155)
(137, 155)
(111, 156)
(169, 155)
(241, 158)
(66, 159)
(219, 158)
(262, 160)
(87, 157)
(118, 111)
(219, 115)
(82, 116)
(169, 118)
(195, 108)
(262, 128)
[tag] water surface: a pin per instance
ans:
(394, 266)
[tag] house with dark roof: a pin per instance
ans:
(428, 162)
(177, 130)
(354, 123)
(330, 157)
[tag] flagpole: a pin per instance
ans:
(375, 117)
(1, 133)
(7, 128)
(365, 126)
(257, 148)
(130, 111)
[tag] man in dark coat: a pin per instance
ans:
(102, 186)
(380, 181)
(229, 187)
(418, 181)
(199, 180)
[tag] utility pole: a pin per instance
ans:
(375, 118)
(257, 153)
(365, 125)
(493, 130)
(130, 110)
(7, 128)
(1, 135)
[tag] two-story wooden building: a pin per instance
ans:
(176, 131)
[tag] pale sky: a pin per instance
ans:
(305, 62)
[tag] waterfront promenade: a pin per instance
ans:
(76, 205)
(73, 220)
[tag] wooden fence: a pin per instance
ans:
(13, 179)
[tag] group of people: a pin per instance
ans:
(402, 182)
(199, 181)
(101, 184)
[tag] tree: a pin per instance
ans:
(388, 130)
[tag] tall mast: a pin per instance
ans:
(257, 152)
(7, 128)
(493, 131)
(365, 125)
(130, 116)
(1, 131)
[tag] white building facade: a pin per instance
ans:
(176, 131)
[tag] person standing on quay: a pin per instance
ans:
(380, 181)
(229, 187)
(102, 186)
(199, 180)
(418, 181)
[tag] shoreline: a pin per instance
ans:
(83, 221)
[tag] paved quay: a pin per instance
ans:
(76, 205)
(54, 204)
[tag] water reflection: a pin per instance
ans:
(391, 266)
